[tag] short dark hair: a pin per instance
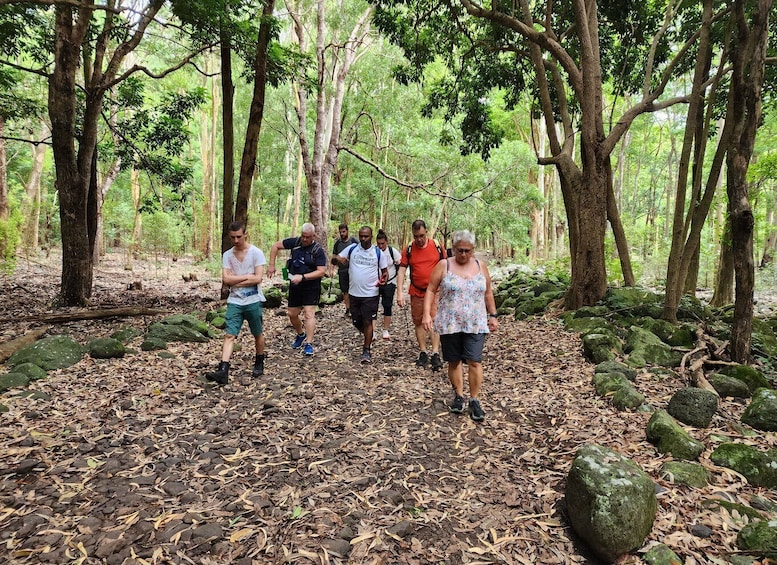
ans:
(237, 226)
(381, 234)
(342, 226)
(418, 224)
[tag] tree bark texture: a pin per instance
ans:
(228, 136)
(4, 212)
(724, 277)
(744, 111)
(255, 116)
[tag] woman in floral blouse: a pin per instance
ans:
(466, 312)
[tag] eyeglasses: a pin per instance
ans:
(461, 250)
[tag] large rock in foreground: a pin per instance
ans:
(611, 502)
(49, 353)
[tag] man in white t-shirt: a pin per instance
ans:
(242, 271)
(367, 270)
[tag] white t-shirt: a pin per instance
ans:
(242, 295)
(393, 263)
(364, 269)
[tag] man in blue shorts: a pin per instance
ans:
(307, 266)
(242, 268)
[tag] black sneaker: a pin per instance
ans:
(457, 406)
(258, 370)
(423, 360)
(366, 357)
(436, 362)
(475, 410)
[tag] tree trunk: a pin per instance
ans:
(4, 211)
(744, 110)
(255, 116)
(32, 194)
(228, 128)
(102, 192)
(137, 223)
(724, 277)
(767, 258)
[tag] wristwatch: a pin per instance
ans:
(303, 277)
(493, 316)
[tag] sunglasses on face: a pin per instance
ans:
(462, 250)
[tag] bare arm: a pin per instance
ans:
(493, 323)
(231, 279)
(277, 246)
(431, 290)
(401, 286)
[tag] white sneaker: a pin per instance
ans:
(386, 334)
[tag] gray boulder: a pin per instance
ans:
(106, 348)
(729, 386)
(685, 473)
(645, 347)
(49, 353)
(153, 344)
(693, 406)
(758, 467)
(611, 502)
(623, 394)
(761, 413)
(125, 334)
(670, 437)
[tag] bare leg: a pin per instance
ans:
(456, 376)
(435, 342)
(368, 333)
(229, 345)
(310, 323)
(475, 377)
(420, 335)
(386, 322)
(259, 342)
(295, 320)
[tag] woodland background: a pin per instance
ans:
(150, 126)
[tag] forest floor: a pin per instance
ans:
(322, 460)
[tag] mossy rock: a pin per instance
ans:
(153, 344)
(49, 353)
(106, 348)
(748, 375)
(607, 383)
(590, 312)
(13, 380)
(628, 298)
(761, 413)
(3, 408)
(693, 309)
(616, 367)
(273, 297)
(213, 314)
(729, 386)
(589, 326)
(693, 406)
(677, 335)
(188, 321)
(219, 322)
(33, 372)
(763, 339)
(627, 398)
(760, 536)
(759, 468)
(126, 334)
(166, 355)
(661, 555)
(175, 332)
(670, 437)
(646, 348)
(685, 473)
(600, 347)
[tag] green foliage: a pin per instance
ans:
(162, 233)
(10, 237)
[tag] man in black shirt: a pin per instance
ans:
(307, 266)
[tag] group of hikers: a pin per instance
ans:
(451, 300)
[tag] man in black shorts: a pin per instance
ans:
(342, 270)
(307, 266)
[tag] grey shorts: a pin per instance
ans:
(462, 347)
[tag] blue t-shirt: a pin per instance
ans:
(304, 260)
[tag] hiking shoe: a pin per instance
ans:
(436, 362)
(423, 360)
(220, 375)
(386, 334)
(299, 340)
(366, 358)
(258, 370)
(475, 411)
(308, 349)
(457, 406)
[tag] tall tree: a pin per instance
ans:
(555, 52)
(748, 58)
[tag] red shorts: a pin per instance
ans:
(417, 308)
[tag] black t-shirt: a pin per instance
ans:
(304, 260)
(338, 247)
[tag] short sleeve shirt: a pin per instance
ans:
(422, 263)
(242, 295)
(364, 268)
(304, 260)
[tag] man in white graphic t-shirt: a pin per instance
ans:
(367, 270)
(242, 268)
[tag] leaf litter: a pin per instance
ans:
(139, 460)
